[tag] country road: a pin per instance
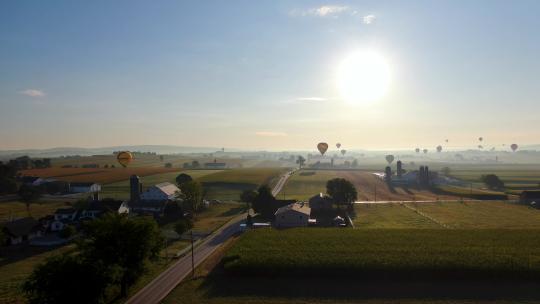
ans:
(430, 201)
(163, 284)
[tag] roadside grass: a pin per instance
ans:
(120, 190)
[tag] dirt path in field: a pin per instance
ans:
(371, 188)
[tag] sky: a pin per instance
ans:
(262, 74)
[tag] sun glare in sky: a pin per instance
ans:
(363, 77)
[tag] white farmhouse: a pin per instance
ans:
(293, 215)
(160, 192)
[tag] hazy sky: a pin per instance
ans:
(262, 74)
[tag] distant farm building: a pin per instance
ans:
(215, 165)
(154, 199)
(293, 215)
(84, 187)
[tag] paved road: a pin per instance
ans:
(161, 286)
(281, 182)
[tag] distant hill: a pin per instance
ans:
(61, 151)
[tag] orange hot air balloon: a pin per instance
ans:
(389, 158)
(322, 147)
(124, 158)
(514, 147)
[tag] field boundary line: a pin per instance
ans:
(426, 216)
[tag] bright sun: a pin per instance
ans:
(363, 77)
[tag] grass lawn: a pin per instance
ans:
(17, 209)
(120, 190)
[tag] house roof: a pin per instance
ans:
(167, 188)
(297, 207)
(22, 226)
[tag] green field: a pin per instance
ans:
(456, 215)
(371, 266)
(394, 216)
(228, 184)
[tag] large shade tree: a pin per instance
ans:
(342, 191)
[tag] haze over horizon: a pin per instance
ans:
(268, 75)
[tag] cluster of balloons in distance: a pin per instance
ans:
(323, 147)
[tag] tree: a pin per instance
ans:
(67, 279)
(492, 181)
(445, 171)
(341, 190)
(192, 193)
(67, 232)
(168, 165)
(183, 178)
(122, 244)
(161, 158)
(183, 226)
(300, 161)
(248, 196)
(7, 179)
(195, 164)
(29, 194)
(264, 202)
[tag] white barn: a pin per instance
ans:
(84, 187)
(160, 192)
(293, 215)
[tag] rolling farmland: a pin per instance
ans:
(306, 183)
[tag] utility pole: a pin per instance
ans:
(192, 257)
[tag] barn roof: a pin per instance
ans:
(167, 188)
(297, 207)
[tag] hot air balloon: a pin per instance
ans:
(425, 151)
(417, 150)
(446, 140)
(389, 158)
(439, 149)
(338, 145)
(480, 147)
(343, 152)
(322, 147)
(124, 158)
(480, 138)
(514, 147)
